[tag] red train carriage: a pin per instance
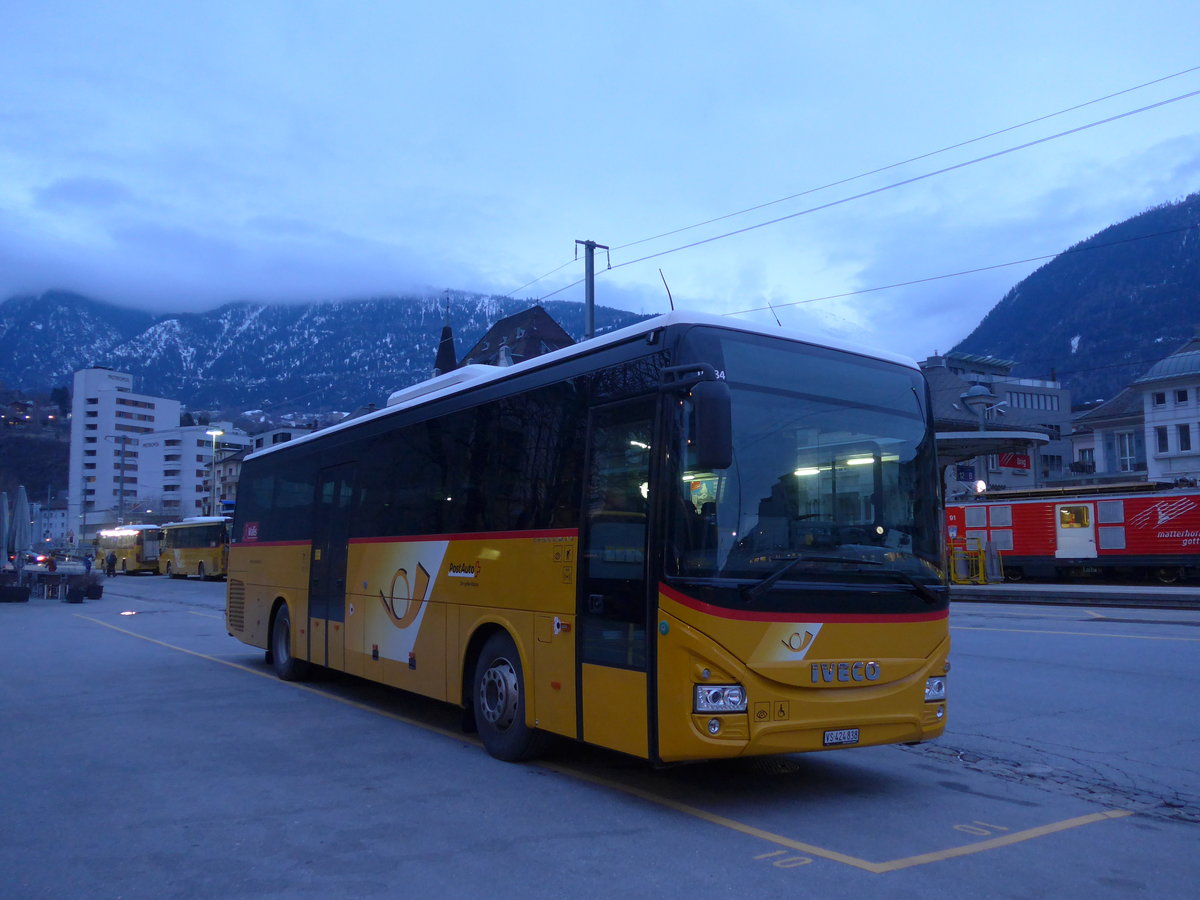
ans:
(1055, 535)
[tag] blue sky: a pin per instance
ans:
(177, 156)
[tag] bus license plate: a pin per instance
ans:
(844, 736)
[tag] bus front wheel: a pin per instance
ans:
(286, 666)
(200, 573)
(499, 702)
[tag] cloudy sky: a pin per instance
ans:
(177, 156)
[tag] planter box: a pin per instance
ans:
(12, 593)
(75, 595)
(93, 591)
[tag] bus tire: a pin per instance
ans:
(499, 698)
(200, 572)
(287, 667)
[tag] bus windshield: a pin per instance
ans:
(833, 478)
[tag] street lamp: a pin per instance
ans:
(214, 433)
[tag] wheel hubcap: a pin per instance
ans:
(498, 694)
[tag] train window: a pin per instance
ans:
(1073, 517)
(1002, 539)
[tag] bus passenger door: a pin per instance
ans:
(1075, 531)
(612, 600)
(327, 571)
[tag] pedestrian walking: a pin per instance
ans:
(87, 564)
(110, 564)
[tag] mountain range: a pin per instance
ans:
(1098, 315)
(280, 357)
(1095, 317)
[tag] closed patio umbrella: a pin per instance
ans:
(22, 531)
(3, 529)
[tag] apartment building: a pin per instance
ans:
(109, 420)
(179, 466)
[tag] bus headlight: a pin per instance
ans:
(720, 698)
(935, 689)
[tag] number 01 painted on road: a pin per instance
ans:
(980, 829)
(787, 862)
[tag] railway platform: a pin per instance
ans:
(1148, 596)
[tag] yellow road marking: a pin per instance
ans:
(206, 615)
(1003, 841)
(666, 802)
(813, 850)
(1140, 637)
(458, 736)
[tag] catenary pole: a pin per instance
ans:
(589, 277)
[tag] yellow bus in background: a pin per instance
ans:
(195, 546)
(135, 546)
(688, 539)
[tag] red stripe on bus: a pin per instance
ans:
(471, 536)
(240, 544)
(748, 616)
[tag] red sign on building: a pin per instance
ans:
(1014, 461)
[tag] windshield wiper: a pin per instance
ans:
(752, 593)
(928, 594)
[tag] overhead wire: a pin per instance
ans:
(861, 175)
(892, 186)
(1016, 262)
(911, 159)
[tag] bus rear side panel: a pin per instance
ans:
(259, 576)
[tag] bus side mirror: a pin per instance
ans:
(714, 425)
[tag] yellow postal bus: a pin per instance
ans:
(135, 547)
(688, 539)
(195, 546)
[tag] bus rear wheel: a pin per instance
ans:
(286, 666)
(200, 572)
(499, 699)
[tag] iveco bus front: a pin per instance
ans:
(803, 590)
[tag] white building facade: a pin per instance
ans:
(1171, 406)
(179, 466)
(108, 423)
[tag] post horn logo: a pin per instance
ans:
(403, 603)
(797, 642)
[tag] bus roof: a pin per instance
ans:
(199, 520)
(459, 380)
(123, 528)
